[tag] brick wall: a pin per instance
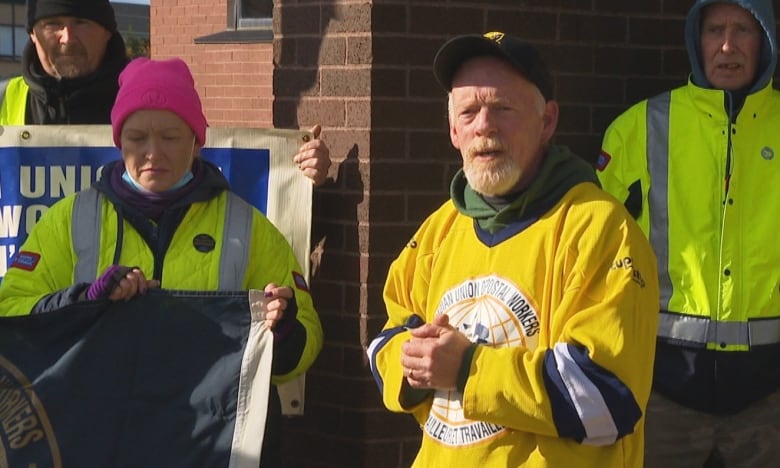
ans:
(234, 80)
(323, 75)
(362, 70)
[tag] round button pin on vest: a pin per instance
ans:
(204, 243)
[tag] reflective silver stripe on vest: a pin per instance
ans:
(235, 243)
(234, 257)
(85, 230)
(658, 167)
(3, 87)
(687, 328)
(702, 330)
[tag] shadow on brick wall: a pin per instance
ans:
(326, 436)
(297, 59)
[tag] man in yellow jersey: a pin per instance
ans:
(698, 166)
(522, 313)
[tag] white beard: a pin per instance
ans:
(492, 177)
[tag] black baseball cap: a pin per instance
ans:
(520, 54)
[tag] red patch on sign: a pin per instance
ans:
(300, 281)
(602, 161)
(26, 260)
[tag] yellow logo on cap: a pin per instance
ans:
(494, 36)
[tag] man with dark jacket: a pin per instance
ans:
(70, 65)
(70, 72)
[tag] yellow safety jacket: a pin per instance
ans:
(220, 244)
(705, 189)
(13, 101)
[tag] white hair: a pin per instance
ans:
(541, 102)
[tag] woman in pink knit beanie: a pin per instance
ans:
(152, 93)
(167, 218)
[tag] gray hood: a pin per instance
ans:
(763, 12)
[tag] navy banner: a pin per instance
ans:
(40, 164)
(167, 379)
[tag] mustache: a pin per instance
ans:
(485, 145)
(71, 49)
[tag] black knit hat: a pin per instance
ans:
(99, 11)
(521, 55)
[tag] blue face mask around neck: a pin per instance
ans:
(139, 188)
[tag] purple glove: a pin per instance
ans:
(101, 288)
(287, 323)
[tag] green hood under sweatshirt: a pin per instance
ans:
(561, 170)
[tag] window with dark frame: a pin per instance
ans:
(251, 14)
(256, 9)
(13, 34)
(247, 21)
(12, 41)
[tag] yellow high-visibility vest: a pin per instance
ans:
(13, 101)
(709, 191)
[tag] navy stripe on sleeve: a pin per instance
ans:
(379, 342)
(589, 403)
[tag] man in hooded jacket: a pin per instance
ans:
(697, 167)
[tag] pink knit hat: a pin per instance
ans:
(158, 84)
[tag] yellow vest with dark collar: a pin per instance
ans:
(13, 101)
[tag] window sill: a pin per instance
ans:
(238, 36)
